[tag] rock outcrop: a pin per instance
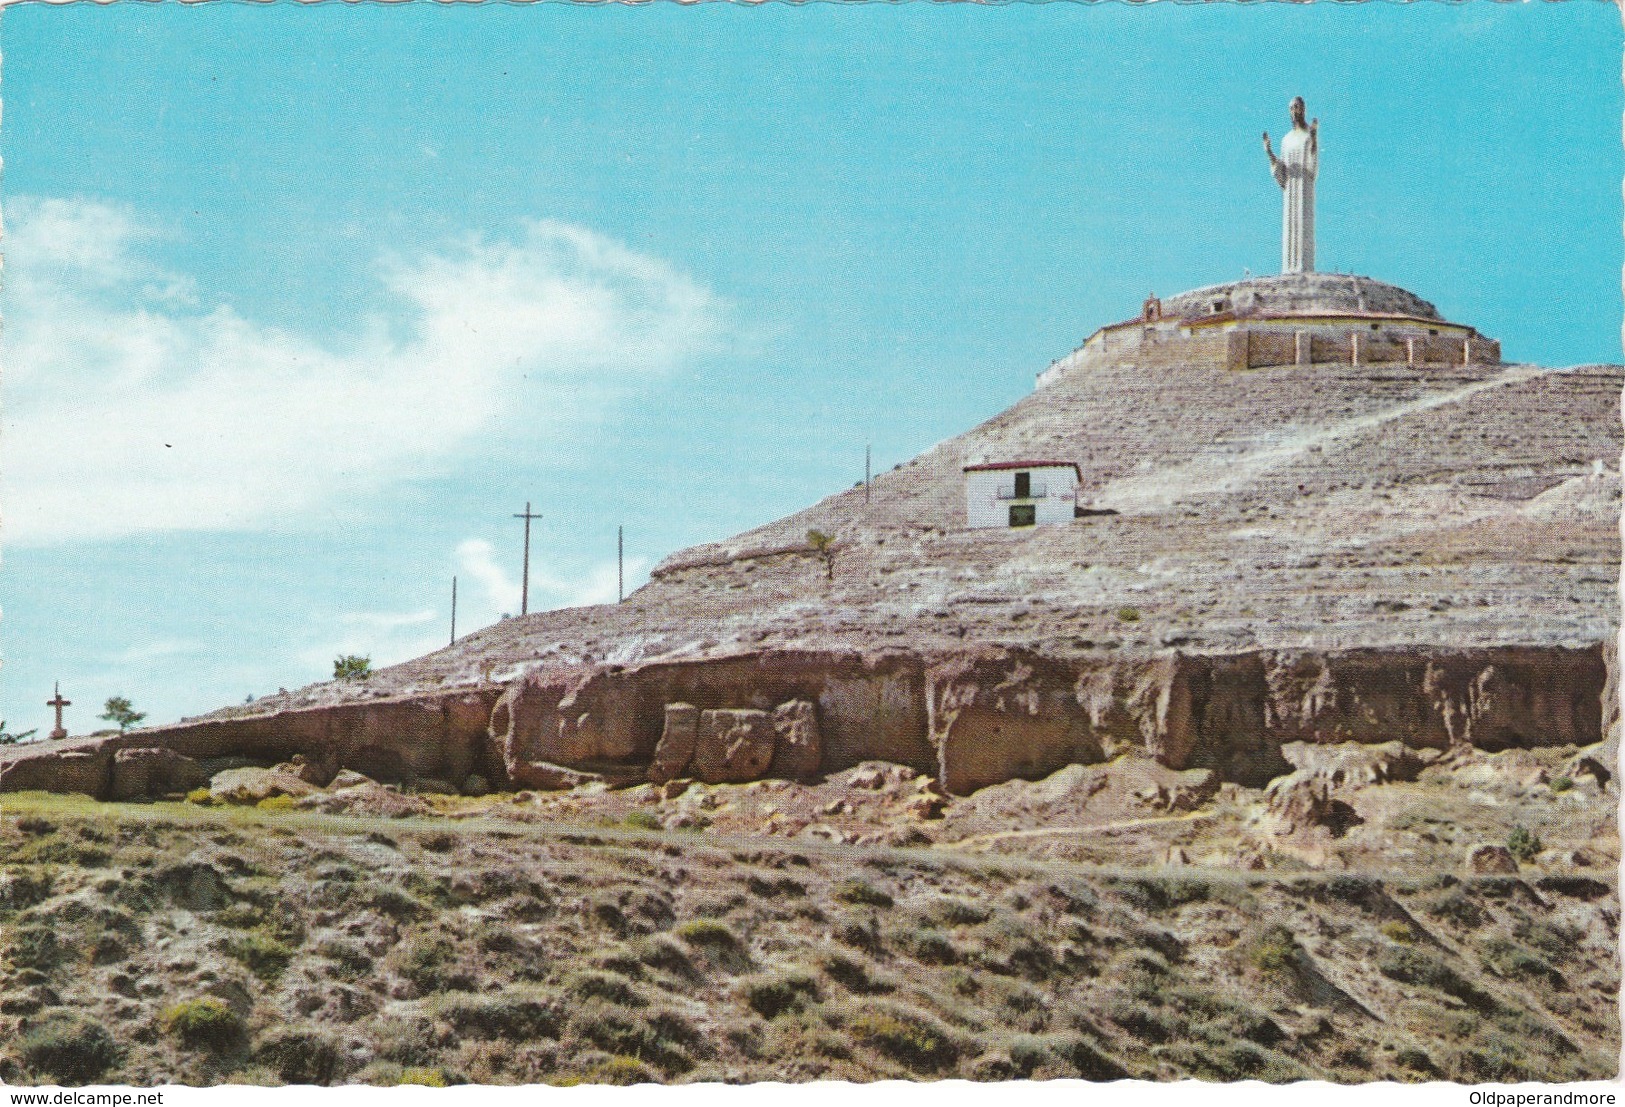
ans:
(971, 719)
(148, 771)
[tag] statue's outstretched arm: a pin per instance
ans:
(1277, 170)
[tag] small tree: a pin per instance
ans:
(1524, 844)
(352, 667)
(119, 710)
(9, 739)
(823, 545)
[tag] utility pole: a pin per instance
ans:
(454, 611)
(620, 564)
(524, 587)
(866, 474)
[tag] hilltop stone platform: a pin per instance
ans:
(1292, 319)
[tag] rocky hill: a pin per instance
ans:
(1293, 755)
(1315, 552)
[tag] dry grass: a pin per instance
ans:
(305, 949)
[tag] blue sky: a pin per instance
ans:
(303, 303)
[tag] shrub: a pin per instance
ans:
(959, 912)
(860, 891)
(643, 820)
(661, 1039)
(1416, 1061)
(1273, 952)
(1128, 614)
(205, 1023)
(660, 952)
(927, 945)
(424, 1077)
(768, 888)
(352, 958)
(1458, 907)
(277, 803)
(1396, 931)
(1561, 783)
(1028, 957)
(433, 965)
(853, 975)
(300, 1056)
(1028, 1053)
(262, 954)
(1507, 958)
(514, 1018)
(1523, 844)
(36, 946)
(1410, 966)
(72, 1048)
(911, 1038)
(352, 667)
(707, 933)
(402, 906)
(861, 936)
(621, 1071)
(771, 997)
(604, 986)
(200, 796)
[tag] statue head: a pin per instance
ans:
(1297, 110)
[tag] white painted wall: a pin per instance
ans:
(989, 493)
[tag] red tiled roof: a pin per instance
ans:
(988, 466)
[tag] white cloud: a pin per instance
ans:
(129, 410)
(497, 589)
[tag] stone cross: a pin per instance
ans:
(59, 703)
(1295, 172)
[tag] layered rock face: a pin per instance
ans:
(1316, 554)
(971, 719)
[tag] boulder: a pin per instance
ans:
(675, 749)
(310, 771)
(1588, 766)
(1180, 795)
(371, 799)
(798, 749)
(544, 776)
(74, 770)
(348, 778)
(147, 771)
(246, 787)
(733, 745)
(1486, 857)
(1339, 763)
(1299, 802)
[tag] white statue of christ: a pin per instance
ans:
(1295, 172)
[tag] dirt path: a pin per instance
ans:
(1102, 828)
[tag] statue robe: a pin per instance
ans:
(1295, 171)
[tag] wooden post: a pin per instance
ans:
(620, 563)
(453, 611)
(865, 474)
(524, 587)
